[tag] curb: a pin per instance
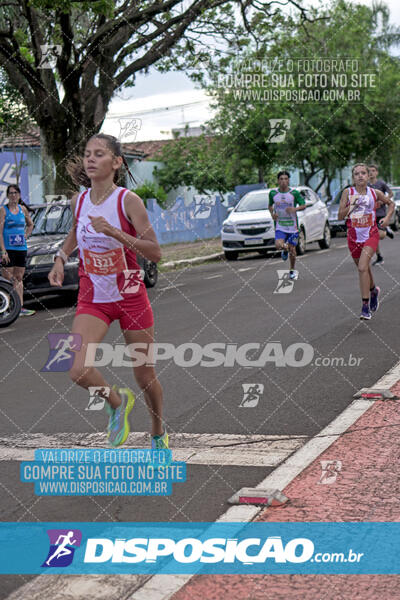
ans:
(191, 261)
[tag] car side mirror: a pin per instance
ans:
(308, 204)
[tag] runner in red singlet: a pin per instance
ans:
(110, 226)
(358, 207)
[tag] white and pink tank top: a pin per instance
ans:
(106, 265)
(361, 223)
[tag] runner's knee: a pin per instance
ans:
(79, 373)
(145, 377)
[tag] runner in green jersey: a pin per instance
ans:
(284, 203)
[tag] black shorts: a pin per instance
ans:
(17, 258)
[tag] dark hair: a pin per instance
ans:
(16, 188)
(372, 166)
(283, 173)
(76, 170)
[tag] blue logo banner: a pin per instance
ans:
(206, 548)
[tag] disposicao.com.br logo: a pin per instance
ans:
(191, 550)
(191, 354)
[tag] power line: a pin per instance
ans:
(172, 108)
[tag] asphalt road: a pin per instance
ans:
(231, 303)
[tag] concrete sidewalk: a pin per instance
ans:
(367, 488)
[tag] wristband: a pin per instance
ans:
(61, 254)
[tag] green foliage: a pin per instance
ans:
(150, 189)
(203, 162)
(323, 136)
(14, 117)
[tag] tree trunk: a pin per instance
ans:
(48, 187)
(261, 175)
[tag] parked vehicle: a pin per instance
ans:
(250, 227)
(52, 222)
(10, 304)
(336, 225)
(396, 197)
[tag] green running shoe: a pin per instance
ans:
(160, 442)
(118, 424)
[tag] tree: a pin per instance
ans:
(203, 162)
(323, 137)
(93, 48)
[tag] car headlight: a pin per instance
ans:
(42, 259)
(228, 228)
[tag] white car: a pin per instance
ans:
(396, 197)
(250, 227)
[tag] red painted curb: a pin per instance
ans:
(365, 488)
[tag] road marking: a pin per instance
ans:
(61, 316)
(246, 269)
(193, 448)
(213, 277)
(7, 330)
(170, 287)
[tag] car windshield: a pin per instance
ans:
(396, 194)
(252, 202)
(52, 220)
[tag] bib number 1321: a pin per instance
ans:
(104, 263)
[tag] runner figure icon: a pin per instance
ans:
(62, 349)
(62, 549)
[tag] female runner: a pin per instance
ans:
(15, 227)
(110, 226)
(358, 207)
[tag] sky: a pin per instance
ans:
(162, 101)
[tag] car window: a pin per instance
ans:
(309, 196)
(252, 201)
(52, 220)
(396, 194)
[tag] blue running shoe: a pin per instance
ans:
(365, 312)
(160, 442)
(284, 254)
(374, 299)
(118, 424)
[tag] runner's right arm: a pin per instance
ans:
(4, 254)
(56, 275)
(344, 208)
(271, 205)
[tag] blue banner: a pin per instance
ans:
(102, 472)
(8, 167)
(207, 548)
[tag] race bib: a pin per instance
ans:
(104, 263)
(361, 219)
(16, 239)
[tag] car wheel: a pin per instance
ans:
(231, 255)
(326, 240)
(301, 244)
(396, 222)
(150, 273)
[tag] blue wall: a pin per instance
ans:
(180, 223)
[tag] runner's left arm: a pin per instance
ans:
(299, 202)
(389, 202)
(145, 243)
